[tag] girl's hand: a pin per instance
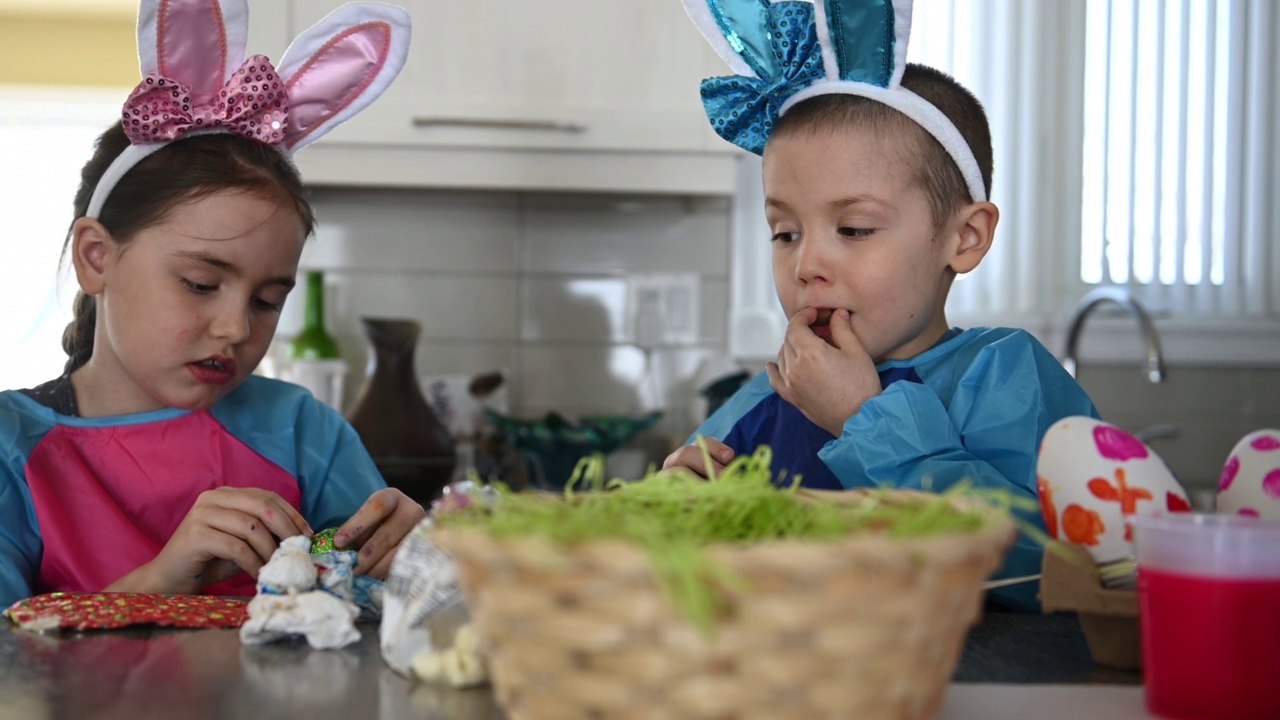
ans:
(227, 530)
(377, 529)
(690, 458)
(826, 382)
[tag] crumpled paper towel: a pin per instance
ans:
(290, 602)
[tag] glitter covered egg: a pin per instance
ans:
(1092, 476)
(322, 542)
(1250, 481)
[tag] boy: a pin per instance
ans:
(872, 217)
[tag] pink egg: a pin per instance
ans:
(1250, 481)
(1092, 476)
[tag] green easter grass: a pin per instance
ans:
(675, 515)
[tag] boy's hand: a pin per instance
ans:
(227, 530)
(690, 458)
(826, 382)
(377, 529)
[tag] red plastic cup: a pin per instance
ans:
(1209, 608)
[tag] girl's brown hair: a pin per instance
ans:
(183, 171)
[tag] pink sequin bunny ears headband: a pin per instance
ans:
(196, 80)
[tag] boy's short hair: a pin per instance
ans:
(935, 171)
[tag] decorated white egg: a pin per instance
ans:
(1092, 476)
(1250, 482)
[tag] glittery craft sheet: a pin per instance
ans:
(105, 611)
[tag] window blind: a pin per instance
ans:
(1180, 161)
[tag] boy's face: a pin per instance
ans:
(851, 230)
(187, 308)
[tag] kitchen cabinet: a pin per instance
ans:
(560, 94)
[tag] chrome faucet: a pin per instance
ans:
(1154, 366)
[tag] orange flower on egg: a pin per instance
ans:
(1082, 525)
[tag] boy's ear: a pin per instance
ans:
(976, 226)
(90, 243)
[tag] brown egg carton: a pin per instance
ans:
(1108, 616)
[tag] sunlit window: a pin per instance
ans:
(45, 139)
(1178, 178)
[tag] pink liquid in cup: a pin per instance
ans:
(1210, 646)
(1209, 608)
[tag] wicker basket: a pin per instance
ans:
(865, 627)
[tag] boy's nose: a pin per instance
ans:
(812, 263)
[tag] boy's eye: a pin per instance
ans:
(198, 288)
(855, 232)
(785, 237)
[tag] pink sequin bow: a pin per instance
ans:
(252, 104)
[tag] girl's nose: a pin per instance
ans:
(232, 323)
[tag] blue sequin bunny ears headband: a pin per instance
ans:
(785, 51)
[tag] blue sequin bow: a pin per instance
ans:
(742, 109)
(783, 51)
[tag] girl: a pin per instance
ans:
(157, 462)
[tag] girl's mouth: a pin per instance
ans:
(216, 370)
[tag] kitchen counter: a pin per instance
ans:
(143, 673)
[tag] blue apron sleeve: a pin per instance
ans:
(988, 434)
(335, 471)
(21, 547)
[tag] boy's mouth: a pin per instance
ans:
(822, 325)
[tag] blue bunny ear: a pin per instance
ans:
(785, 51)
(738, 30)
(864, 41)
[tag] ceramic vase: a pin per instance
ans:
(409, 444)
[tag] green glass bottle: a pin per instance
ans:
(314, 342)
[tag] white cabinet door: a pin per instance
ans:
(591, 75)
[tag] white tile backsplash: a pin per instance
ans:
(1212, 408)
(406, 231)
(535, 285)
(557, 307)
(450, 306)
(614, 236)
(580, 379)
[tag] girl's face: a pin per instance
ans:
(851, 230)
(188, 307)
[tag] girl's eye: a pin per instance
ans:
(198, 288)
(268, 305)
(855, 232)
(785, 237)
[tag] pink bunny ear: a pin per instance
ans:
(340, 65)
(198, 43)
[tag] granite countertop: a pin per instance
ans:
(142, 673)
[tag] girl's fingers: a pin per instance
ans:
(281, 518)
(249, 530)
(390, 533)
(383, 567)
(228, 547)
(360, 527)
